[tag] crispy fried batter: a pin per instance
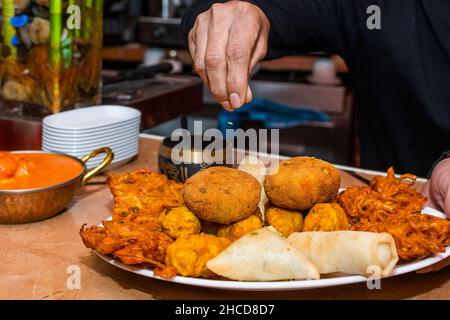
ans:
(143, 192)
(134, 234)
(189, 255)
(285, 221)
(301, 182)
(326, 217)
(180, 222)
(391, 205)
(238, 229)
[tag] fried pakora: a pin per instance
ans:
(189, 255)
(326, 217)
(222, 195)
(134, 234)
(301, 182)
(238, 229)
(416, 235)
(143, 192)
(391, 205)
(285, 221)
(180, 222)
(130, 244)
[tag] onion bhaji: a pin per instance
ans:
(189, 255)
(143, 192)
(134, 234)
(285, 221)
(326, 217)
(391, 205)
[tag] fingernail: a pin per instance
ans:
(226, 106)
(235, 100)
(249, 96)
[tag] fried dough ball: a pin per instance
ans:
(223, 195)
(285, 221)
(189, 255)
(180, 222)
(326, 217)
(238, 229)
(301, 182)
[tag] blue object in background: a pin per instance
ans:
(270, 114)
(19, 21)
(15, 41)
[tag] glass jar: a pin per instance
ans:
(50, 52)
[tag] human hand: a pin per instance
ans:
(226, 43)
(437, 189)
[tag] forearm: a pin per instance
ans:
(296, 26)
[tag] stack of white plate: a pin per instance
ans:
(79, 132)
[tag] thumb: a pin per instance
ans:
(447, 204)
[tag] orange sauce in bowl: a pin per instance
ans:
(20, 171)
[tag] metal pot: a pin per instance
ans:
(31, 205)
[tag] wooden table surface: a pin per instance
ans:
(38, 261)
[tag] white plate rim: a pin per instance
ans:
(97, 144)
(97, 130)
(128, 114)
(285, 285)
(117, 151)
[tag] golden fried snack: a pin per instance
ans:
(134, 233)
(384, 197)
(143, 192)
(238, 229)
(391, 205)
(180, 222)
(301, 182)
(416, 235)
(189, 255)
(326, 217)
(131, 244)
(223, 195)
(284, 221)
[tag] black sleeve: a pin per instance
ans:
(304, 26)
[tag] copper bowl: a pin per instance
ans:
(31, 205)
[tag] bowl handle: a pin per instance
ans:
(94, 171)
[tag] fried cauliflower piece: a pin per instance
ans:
(189, 255)
(285, 221)
(180, 222)
(326, 217)
(238, 229)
